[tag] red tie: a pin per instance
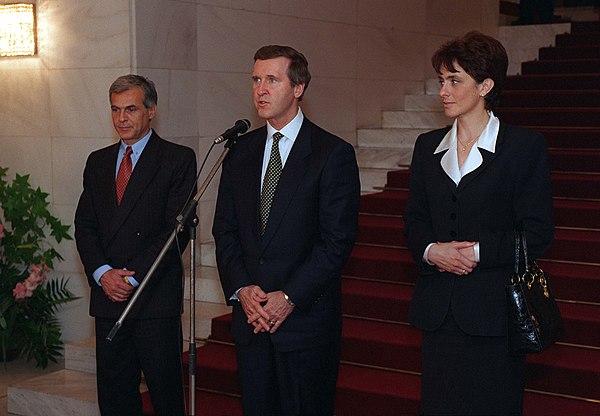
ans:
(124, 174)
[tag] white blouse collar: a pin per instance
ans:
(487, 141)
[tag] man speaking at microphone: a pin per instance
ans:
(132, 194)
(285, 224)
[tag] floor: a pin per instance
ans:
(19, 370)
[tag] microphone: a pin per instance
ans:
(240, 127)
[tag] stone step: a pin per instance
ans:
(81, 356)
(384, 158)
(205, 311)
(372, 179)
(61, 393)
(432, 86)
(422, 102)
(415, 119)
(389, 137)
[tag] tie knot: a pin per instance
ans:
(128, 151)
(277, 136)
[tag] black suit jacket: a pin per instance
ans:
(510, 189)
(309, 236)
(131, 235)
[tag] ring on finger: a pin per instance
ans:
(271, 323)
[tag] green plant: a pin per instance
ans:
(28, 301)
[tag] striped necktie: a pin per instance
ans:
(270, 182)
(124, 174)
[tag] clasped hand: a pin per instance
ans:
(114, 286)
(457, 257)
(265, 311)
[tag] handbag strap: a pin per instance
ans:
(517, 251)
(525, 250)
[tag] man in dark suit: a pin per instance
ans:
(285, 224)
(132, 193)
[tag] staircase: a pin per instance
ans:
(557, 95)
(383, 149)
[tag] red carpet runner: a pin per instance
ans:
(379, 374)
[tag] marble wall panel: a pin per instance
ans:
(404, 15)
(228, 38)
(254, 5)
(25, 103)
(390, 54)
(490, 16)
(166, 34)
(206, 213)
(325, 94)
(28, 156)
(177, 113)
(77, 323)
(204, 146)
(80, 103)
(343, 11)
(69, 155)
(224, 98)
(330, 48)
(67, 248)
(453, 17)
(88, 33)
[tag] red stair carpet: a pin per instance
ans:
(379, 374)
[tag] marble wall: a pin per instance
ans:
(364, 56)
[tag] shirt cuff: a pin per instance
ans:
(99, 272)
(426, 255)
(476, 251)
(235, 295)
(133, 282)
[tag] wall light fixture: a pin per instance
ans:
(17, 30)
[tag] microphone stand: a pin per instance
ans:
(187, 216)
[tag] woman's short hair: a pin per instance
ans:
(297, 71)
(481, 56)
(127, 82)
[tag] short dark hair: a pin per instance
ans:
(481, 56)
(297, 71)
(127, 82)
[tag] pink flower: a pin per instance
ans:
(22, 291)
(38, 274)
(2, 231)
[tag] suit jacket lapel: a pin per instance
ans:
(144, 171)
(106, 181)
(256, 152)
(488, 157)
(291, 176)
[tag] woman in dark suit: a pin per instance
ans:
(471, 185)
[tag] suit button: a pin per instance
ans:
(453, 234)
(137, 234)
(453, 216)
(261, 261)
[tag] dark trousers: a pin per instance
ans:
(151, 346)
(295, 383)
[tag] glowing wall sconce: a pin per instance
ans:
(17, 30)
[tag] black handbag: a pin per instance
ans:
(534, 321)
